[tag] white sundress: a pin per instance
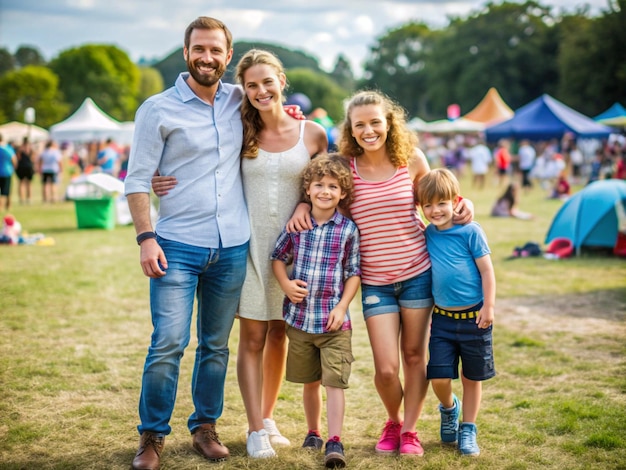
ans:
(271, 183)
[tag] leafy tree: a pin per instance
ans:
(511, 46)
(7, 62)
(342, 73)
(290, 58)
(171, 66)
(397, 65)
(32, 86)
(592, 60)
(320, 89)
(150, 83)
(102, 72)
(28, 55)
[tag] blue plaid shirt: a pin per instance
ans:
(324, 257)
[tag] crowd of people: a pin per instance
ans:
(545, 164)
(48, 159)
(554, 166)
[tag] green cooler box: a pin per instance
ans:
(95, 213)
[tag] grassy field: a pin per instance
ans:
(75, 326)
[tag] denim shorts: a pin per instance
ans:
(412, 293)
(451, 340)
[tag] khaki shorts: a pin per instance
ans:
(326, 357)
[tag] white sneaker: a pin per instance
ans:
(276, 438)
(258, 445)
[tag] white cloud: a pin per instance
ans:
(363, 24)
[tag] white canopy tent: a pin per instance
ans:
(125, 135)
(88, 123)
(457, 126)
(16, 131)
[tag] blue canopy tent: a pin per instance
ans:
(616, 110)
(546, 118)
(614, 116)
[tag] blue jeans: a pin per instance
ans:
(216, 276)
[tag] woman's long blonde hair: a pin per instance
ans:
(401, 141)
(252, 123)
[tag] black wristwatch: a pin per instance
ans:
(145, 236)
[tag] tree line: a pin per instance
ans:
(521, 49)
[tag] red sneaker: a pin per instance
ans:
(389, 441)
(410, 445)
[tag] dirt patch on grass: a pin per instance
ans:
(599, 312)
(589, 328)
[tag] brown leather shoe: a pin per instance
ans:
(148, 455)
(207, 443)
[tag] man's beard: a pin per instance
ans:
(205, 79)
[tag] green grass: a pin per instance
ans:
(75, 326)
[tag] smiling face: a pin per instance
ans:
(440, 213)
(207, 56)
(369, 126)
(263, 86)
(325, 193)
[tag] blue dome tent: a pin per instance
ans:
(593, 216)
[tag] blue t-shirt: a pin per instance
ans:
(456, 279)
(6, 161)
(107, 158)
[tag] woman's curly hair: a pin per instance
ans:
(401, 141)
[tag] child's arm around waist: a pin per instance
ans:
(294, 289)
(338, 314)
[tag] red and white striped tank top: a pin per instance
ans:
(393, 246)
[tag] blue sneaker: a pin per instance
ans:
(450, 422)
(467, 440)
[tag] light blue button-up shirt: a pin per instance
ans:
(182, 136)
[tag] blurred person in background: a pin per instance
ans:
(8, 162)
(25, 170)
(49, 166)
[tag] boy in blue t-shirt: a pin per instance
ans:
(464, 290)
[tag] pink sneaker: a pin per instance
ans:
(389, 441)
(410, 445)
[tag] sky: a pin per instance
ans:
(152, 29)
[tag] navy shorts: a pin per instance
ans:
(5, 185)
(453, 339)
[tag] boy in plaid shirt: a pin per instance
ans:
(324, 280)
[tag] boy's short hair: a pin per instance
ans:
(437, 185)
(334, 165)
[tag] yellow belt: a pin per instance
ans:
(456, 315)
